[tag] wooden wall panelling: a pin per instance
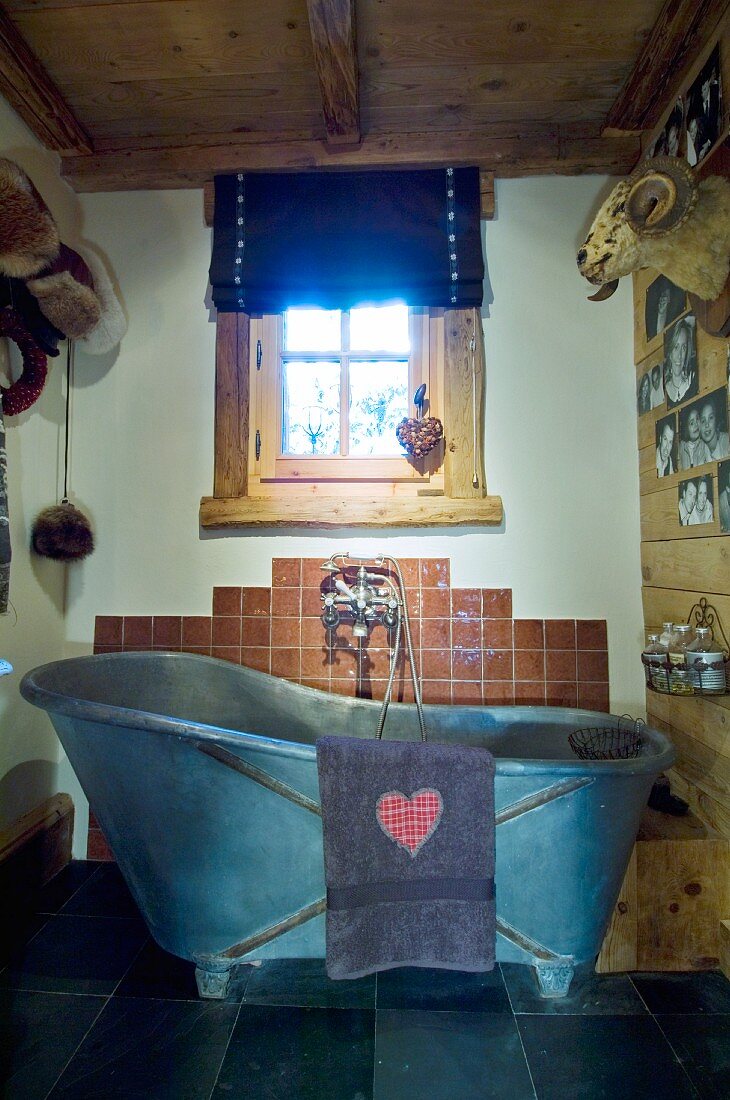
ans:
(677, 564)
(670, 604)
(660, 514)
(706, 719)
(714, 814)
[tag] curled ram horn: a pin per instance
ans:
(604, 291)
(663, 193)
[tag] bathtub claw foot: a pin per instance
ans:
(213, 984)
(554, 978)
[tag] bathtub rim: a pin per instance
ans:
(54, 702)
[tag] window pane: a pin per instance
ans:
(380, 328)
(312, 330)
(378, 402)
(311, 408)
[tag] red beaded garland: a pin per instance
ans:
(27, 388)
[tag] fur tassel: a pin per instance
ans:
(29, 239)
(70, 306)
(112, 324)
(63, 533)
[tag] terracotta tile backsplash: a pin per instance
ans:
(468, 647)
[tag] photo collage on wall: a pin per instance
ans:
(695, 121)
(695, 432)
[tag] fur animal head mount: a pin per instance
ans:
(661, 217)
(55, 289)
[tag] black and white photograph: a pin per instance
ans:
(723, 496)
(712, 409)
(680, 361)
(643, 394)
(664, 303)
(704, 110)
(657, 396)
(666, 445)
(695, 503)
(670, 140)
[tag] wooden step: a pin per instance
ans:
(675, 892)
(725, 947)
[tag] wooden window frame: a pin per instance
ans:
(239, 501)
(271, 471)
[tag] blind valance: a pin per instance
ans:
(337, 239)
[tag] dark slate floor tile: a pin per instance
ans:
(156, 973)
(442, 990)
(708, 991)
(17, 930)
(106, 894)
(590, 993)
(289, 1053)
(146, 1048)
(702, 1045)
(449, 1056)
(592, 1057)
(64, 885)
(39, 1032)
(76, 955)
(304, 982)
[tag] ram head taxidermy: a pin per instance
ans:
(661, 217)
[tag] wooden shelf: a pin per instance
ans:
(339, 511)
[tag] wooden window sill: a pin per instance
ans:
(342, 511)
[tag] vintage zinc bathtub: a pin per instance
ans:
(203, 777)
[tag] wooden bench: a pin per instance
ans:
(673, 899)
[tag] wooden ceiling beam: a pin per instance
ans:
(30, 91)
(680, 32)
(332, 25)
(508, 151)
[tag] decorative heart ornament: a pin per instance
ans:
(419, 436)
(409, 821)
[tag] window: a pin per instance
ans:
(329, 388)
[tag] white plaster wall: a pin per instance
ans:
(33, 631)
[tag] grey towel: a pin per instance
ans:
(5, 552)
(408, 855)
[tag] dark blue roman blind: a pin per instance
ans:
(339, 239)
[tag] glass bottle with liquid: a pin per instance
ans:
(707, 662)
(680, 680)
(666, 633)
(655, 658)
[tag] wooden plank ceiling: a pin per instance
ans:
(163, 93)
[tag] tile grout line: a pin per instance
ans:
(84, 1037)
(666, 1039)
(228, 1043)
(519, 1033)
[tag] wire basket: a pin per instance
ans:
(700, 679)
(620, 742)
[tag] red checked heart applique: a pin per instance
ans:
(410, 821)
